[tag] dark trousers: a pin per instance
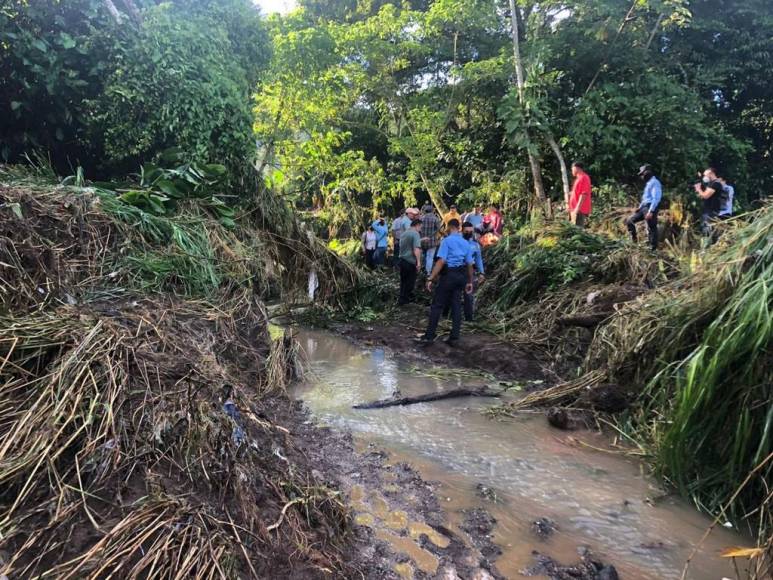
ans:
(369, 258)
(468, 303)
(379, 256)
(408, 275)
(448, 292)
(652, 225)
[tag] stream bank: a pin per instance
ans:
(476, 350)
(493, 480)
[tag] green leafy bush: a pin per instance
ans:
(109, 96)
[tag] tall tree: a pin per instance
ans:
(534, 164)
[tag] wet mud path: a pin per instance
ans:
(493, 493)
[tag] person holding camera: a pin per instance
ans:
(648, 208)
(711, 192)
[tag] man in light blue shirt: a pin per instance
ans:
(727, 200)
(454, 269)
(648, 208)
(468, 233)
(475, 217)
(382, 241)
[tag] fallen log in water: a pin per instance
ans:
(429, 397)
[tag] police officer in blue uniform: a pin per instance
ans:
(453, 272)
(468, 233)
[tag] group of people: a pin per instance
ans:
(715, 193)
(447, 248)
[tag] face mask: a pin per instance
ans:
(467, 235)
(706, 180)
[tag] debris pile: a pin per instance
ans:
(140, 433)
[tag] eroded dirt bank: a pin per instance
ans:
(476, 350)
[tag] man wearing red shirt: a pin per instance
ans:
(579, 200)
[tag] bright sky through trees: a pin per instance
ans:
(281, 6)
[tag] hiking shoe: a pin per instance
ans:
(452, 342)
(424, 340)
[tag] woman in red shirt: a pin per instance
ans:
(579, 200)
(493, 221)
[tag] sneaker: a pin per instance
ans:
(424, 340)
(452, 342)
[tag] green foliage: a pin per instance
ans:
(109, 96)
(560, 255)
(708, 412)
(53, 57)
(178, 83)
(420, 94)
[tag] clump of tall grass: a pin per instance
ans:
(708, 412)
(561, 255)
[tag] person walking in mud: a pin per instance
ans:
(475, 217)
(648, 208)
(468, 233)
(453, 214)
(410, 261)
(400, 225)
(453, 272)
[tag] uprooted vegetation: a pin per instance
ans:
(682, 344)
(138, 433)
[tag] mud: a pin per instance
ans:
(479, 525)
(589, 568)
(476, 350)
(398, 526)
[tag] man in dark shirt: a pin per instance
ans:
(454, 270)
(711, 192)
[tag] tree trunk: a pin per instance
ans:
(113, 11)
(562, 163)
(654, 30)
(133, 10)
(536, 171)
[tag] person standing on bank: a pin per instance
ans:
(579, 205)
(430, 227)
(410, 261)
(382, 241)
(468, 233)
(648, 208)
(453, 271)
(369, 246)
(726, 211)
(711, 192)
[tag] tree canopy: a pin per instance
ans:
(389, 103)
(109, 85)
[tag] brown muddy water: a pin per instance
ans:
(525, 469)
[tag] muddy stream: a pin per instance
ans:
(517, 470)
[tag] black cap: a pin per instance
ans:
(645, 168)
